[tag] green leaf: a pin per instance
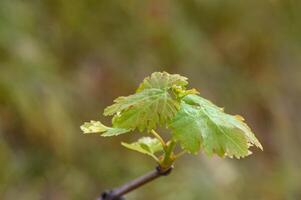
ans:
(186, 128)
(162, 80)
(144, 110)
(201, 124)
(146, 145)
(155, 103)
(98, 127)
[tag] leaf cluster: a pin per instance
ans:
(163, 100)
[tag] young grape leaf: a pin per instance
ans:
(201, 124)
(186, 128)
(162, 80)
(98, 127)
(236, 120)
(155, 103)
(146, 145)
(145, 110)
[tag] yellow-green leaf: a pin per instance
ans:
(146, 145)
(162, 80)
(154, 104)
(144, 110)
(98, 127)
(201, 124)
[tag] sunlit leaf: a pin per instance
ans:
(162, 80)
(98, 127)
(146, 145)
(155, 103)
(144, 110)
(201, 124)
(186, 128)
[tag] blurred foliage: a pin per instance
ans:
(62, 61)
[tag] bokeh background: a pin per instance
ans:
(62, 62)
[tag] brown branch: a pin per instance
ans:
(117, 193)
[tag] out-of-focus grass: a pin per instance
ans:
(62, 62)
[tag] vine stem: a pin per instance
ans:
(159, 138)
(117, 193)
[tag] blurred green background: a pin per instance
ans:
(62, 62)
